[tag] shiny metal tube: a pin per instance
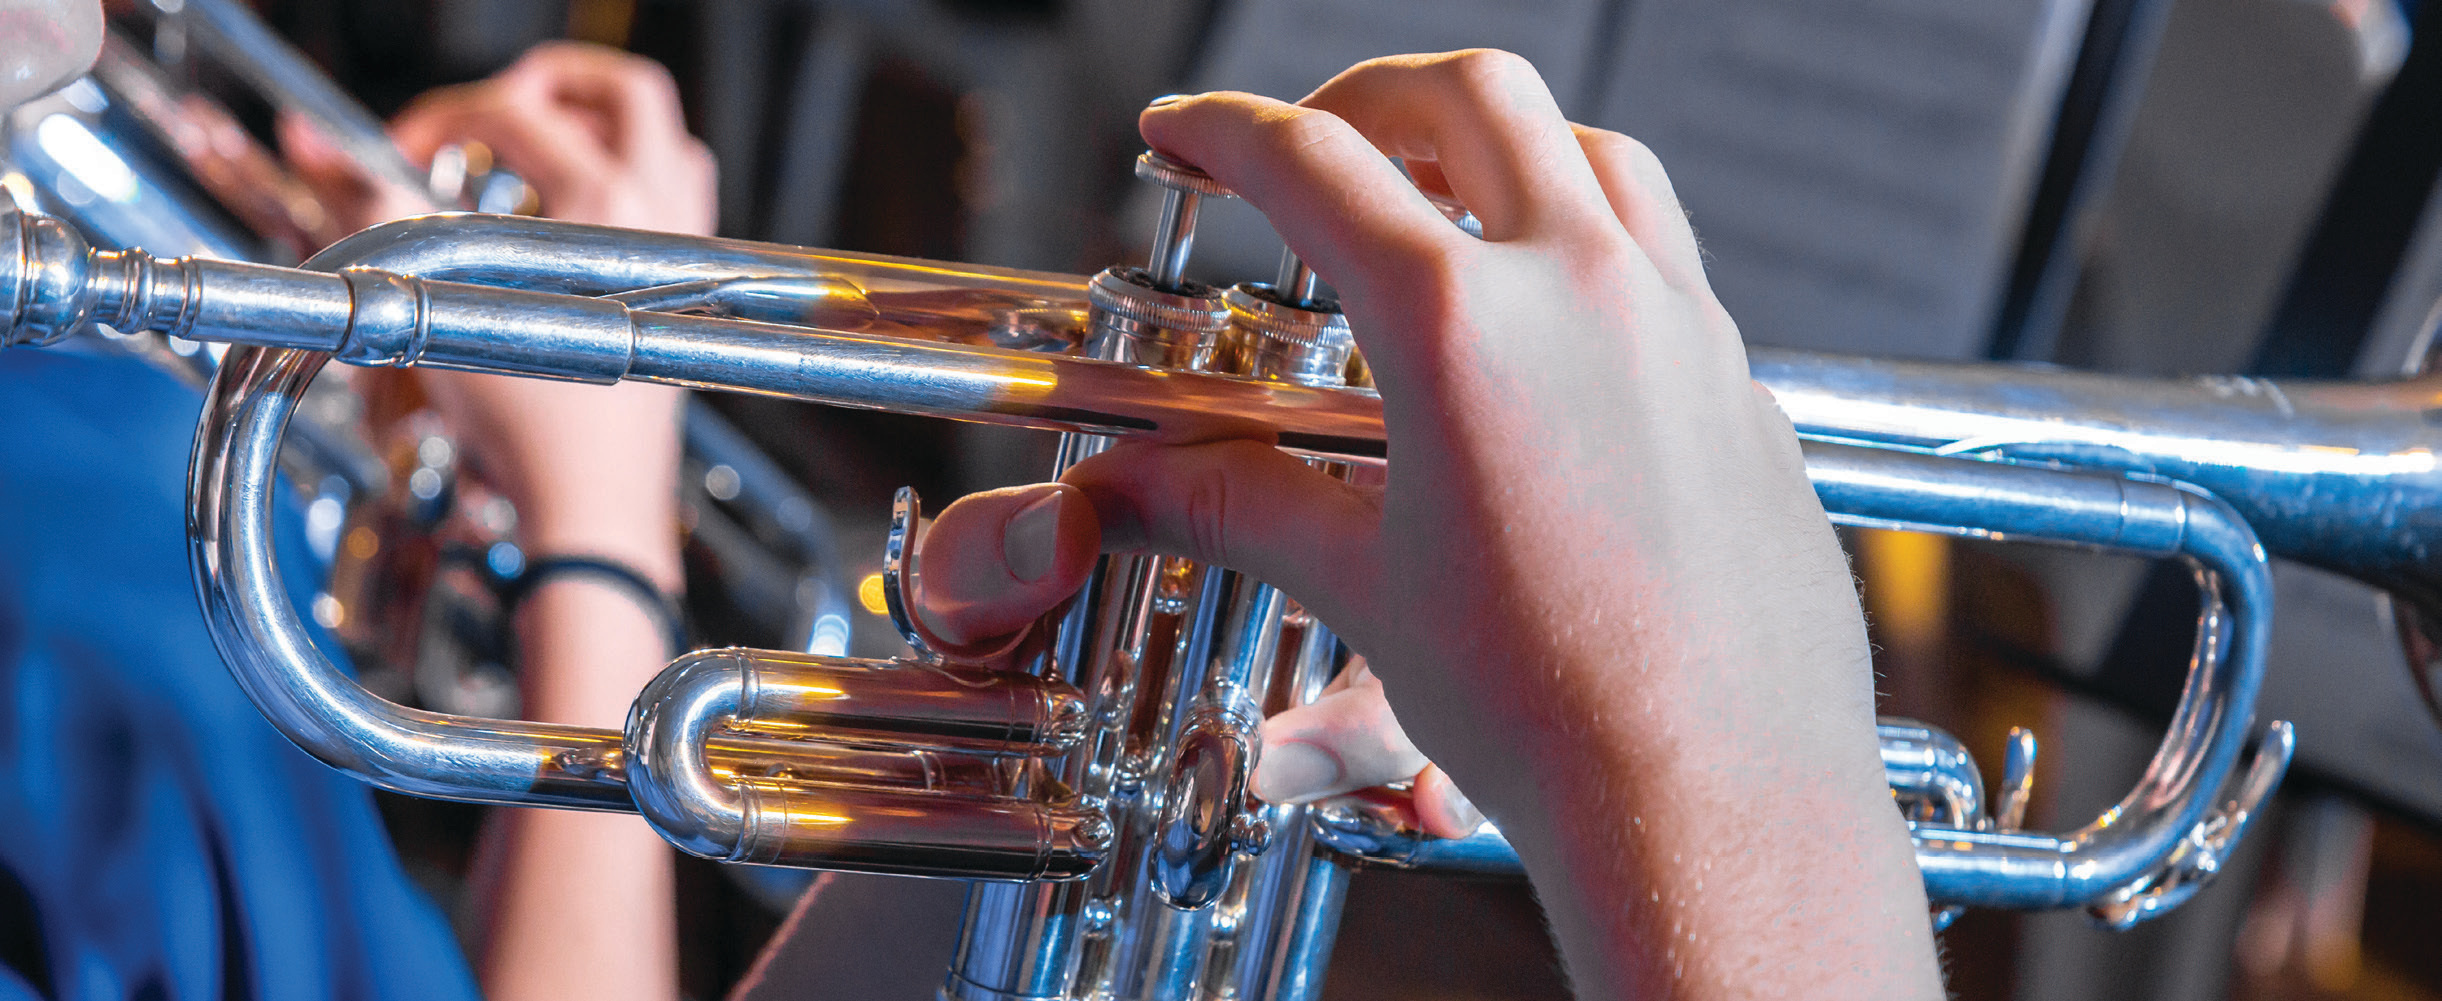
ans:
(1371, 830)
(2209, 732)
(2342, 476)
(2313, 466)
(379, 317)
(399, 318)
(926, 705)
(880, 765)
(1275, 938)
(548, 255)
(1125, 643)
(376, 318)
(394, 318)
(829, 303)
(2193, 791)
(688, 798)
(2339, 475)
(431, 754)
(230, 490)
(1931, 774)
(778, 804)
(1920, 763)
(572, 767)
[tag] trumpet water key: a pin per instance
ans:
(1099, 796)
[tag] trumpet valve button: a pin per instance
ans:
(1178, 176)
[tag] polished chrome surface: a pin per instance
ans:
(1305, 341)
(2181, 793)
(1279, 918)
(1371, 830)
(1931, 774)
(1296, 283)
(230, 497)
(1174, 234)
(374, 317)
(949, 706)
(2342, 476)
(1167, 662)
(887, 792)
(708, 809)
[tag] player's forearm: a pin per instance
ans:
(583, 903)
(582, 909)
(1740, 843)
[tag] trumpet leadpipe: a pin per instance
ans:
(377, 318)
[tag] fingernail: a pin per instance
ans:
(1295, 771)
(1031, 541)
(1167, 100)
(1456, 810)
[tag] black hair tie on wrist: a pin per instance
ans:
(514, 591)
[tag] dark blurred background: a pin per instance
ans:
(2149, 186)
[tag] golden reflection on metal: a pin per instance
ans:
(871, 596)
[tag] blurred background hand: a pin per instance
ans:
(599, 136)
(593, 471)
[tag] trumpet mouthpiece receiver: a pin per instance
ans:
(46, 269)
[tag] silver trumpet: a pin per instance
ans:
(1099, 798)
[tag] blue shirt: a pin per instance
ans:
(158, 839)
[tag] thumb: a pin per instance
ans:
(995, 560)
(1250, 507)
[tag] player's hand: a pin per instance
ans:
(1598, 587)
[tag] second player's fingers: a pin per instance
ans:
(354, 196)
(422, 127)
(634, 96)
(544, 145)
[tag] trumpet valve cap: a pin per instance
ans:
(1177, 176)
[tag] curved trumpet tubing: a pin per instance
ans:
(699, 759)
(2180, 795)
(2344, 476)
(704, 808)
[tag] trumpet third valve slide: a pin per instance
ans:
(1102, 796)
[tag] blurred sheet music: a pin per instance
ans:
(1858, 169)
